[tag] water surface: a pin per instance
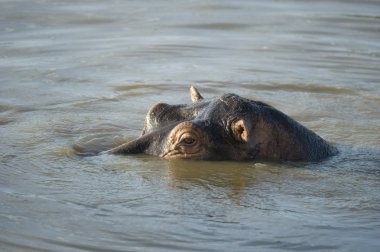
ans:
(82, 74)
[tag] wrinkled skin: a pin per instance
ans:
(227, 127)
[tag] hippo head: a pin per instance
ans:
(228, 127)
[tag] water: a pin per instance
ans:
(82, 74)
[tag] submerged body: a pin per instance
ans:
(228, 127)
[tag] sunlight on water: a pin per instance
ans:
(77, 77)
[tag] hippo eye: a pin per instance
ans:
(188, 141)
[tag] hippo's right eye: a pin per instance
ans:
(187, 139)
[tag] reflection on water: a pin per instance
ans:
(78, 77)
(233, 177)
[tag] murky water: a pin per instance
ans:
(82, 74)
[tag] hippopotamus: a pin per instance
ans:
(227, 127)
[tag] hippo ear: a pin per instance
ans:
(195, 95)
(240, 131)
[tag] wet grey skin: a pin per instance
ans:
(228, 127)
